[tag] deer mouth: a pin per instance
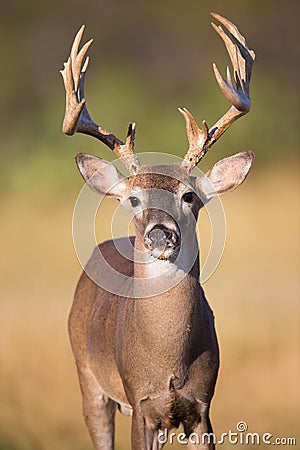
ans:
(164, 254)
(162, 242)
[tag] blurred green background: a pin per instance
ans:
(148, 58)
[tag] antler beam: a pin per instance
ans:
(236, 93)
(77, 117)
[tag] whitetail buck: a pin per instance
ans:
(152, 351)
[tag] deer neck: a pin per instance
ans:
(155, 275)
(168, 316)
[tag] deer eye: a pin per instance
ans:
(134, 201)
(188, 197)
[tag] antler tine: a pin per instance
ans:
(238, 95)
(77, 117)
(126, 151)
(197, 138)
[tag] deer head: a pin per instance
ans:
(165, 200)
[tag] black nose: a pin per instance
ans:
(161, 237)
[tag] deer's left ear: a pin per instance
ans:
(226, 175)
(101, 176)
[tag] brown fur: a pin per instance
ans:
(156, 357)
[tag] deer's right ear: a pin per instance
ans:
(101, 176)
(226, 175)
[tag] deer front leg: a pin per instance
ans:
(98, 411)
(201, 435)
(143, 437)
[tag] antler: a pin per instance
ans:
(77, 117)
(238, 95)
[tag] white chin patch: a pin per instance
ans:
(162, 253)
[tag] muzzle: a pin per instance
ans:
(162, 241)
